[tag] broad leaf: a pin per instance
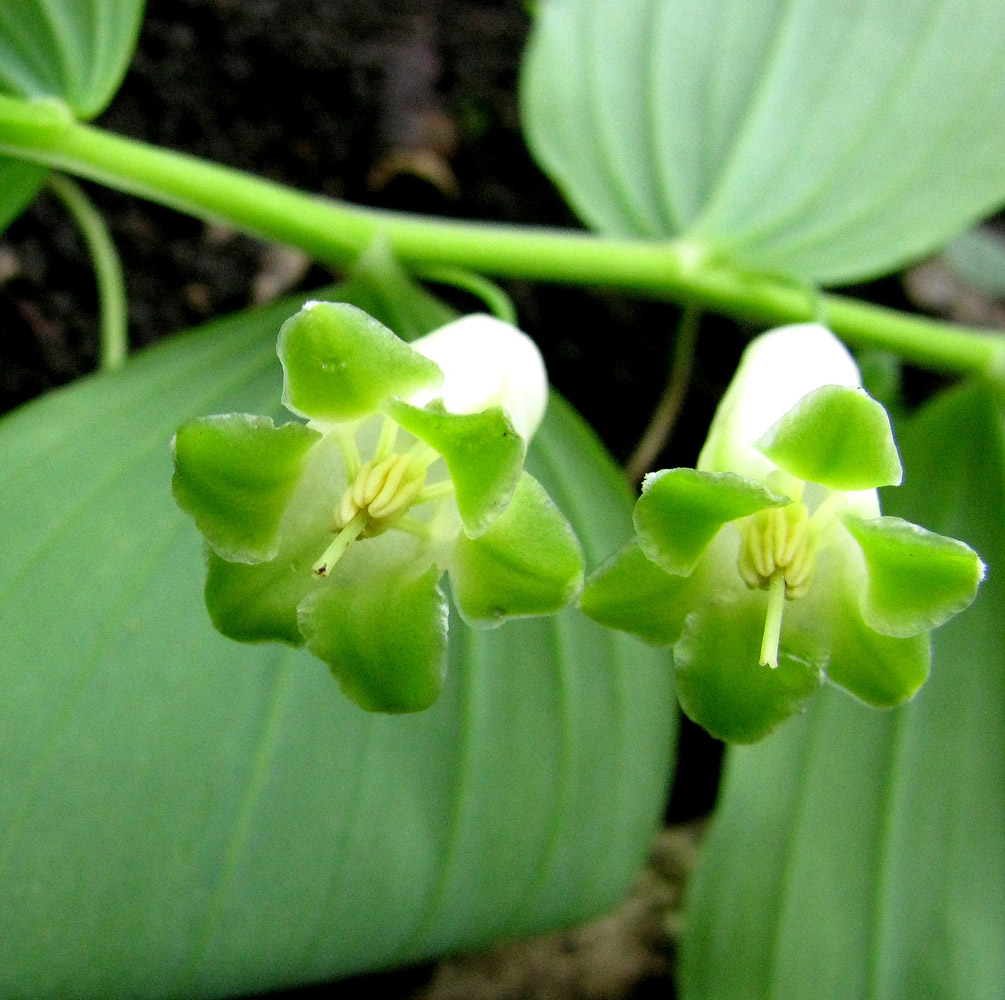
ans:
(75, 51)
(858, 853)
(183, 815)
(977, 258)
(828, 139)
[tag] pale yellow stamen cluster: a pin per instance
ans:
(778, 542)
(381, 491)
(384, 489)
(777, 555)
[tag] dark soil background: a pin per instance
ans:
(407, 104)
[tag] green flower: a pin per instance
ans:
(769, 568)
(336, 533)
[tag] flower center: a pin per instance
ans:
(381, 491)
(777, 554)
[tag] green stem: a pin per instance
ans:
(661, 424)
(335, 232)
(107, 270)
(497, 301)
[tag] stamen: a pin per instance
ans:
(413, 526)
(367, 487)
(423, 455)
(436, 491)
(385, 443)
(385, 494)
(350, 452)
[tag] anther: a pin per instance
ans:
(384, 488)
(778, 540)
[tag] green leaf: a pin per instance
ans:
(483, 453)
(235, 474)
(977, 258)
(528, 562)
(19, 184)
(745, 129)
(75, 51)
(681, 511)
(340, 364)
(917, 579)
(182, 815)
(384, 635)
(720, 683)
(857, 853)
(838, 437)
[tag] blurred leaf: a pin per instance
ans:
(183, 815)
(19, 183)
(859, 853)
(977, 257)
(77, 52)
(832, 140)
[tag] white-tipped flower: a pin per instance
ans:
(335, 533)
(768, 568)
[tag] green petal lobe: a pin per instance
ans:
(339, 363)
(916, 579)
(257, 603)
(632, 594)
(681, 511)
(881, 670)
(837, 436)
(721, 684)
(383, 636)
(235, 474)
(484, 455)
(527, 563)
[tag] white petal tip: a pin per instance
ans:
(487, 362)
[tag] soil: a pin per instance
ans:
(407, 104)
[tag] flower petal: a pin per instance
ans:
(486, 363)
(777, 369)
(720, 683)
(259, 603)
(235, 474)
(916, 579)
(681, 511)
(383, 633)
(339, 363)
(838, 437)
(881, 670)
(484, 455)
(528, 562)
(631, 593)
